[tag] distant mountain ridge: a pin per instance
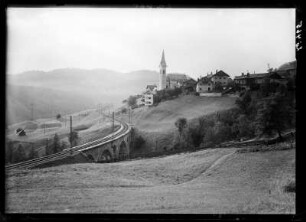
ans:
(88, 87)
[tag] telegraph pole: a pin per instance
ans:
(71, 131)
(32, 111)
(130, 115)
(113, 122)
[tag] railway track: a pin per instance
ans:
(124, 128)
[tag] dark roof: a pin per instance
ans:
(190, 81)
(177, 76)
(252, 76)
(221, 73)
(205, 80)
(275, 75)
(151, 87)
(287, 66)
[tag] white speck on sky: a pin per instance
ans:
(196, 41)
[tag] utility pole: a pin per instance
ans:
(113, 122)
(32, 111)
(71, 131)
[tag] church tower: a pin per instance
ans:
(162, 73)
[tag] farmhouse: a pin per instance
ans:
(204, 85)
(220, 77)
(247, 80)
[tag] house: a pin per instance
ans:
(220, 77)
(205, 84)
(140, 101)
(189, 86)
(148, 99)
(247, 80)
(151, 88)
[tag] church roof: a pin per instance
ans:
(177, 76)
(163, 61)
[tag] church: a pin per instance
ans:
(171, 80)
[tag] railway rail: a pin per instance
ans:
(124, 128)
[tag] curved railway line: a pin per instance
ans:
(124, 128)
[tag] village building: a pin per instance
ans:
(189, 86)
(148, 99)
(220, 77)
(204, 85)
(151, 89)
(209, 82)
(247, 80)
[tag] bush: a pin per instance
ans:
(290, 187)
(138, 142)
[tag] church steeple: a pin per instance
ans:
(163, 61)
(162, 72)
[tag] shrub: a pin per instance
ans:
(290, 187)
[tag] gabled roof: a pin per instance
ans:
(205, 80)
(177, 76)
(221, 74)
(252, 76)
(151, 87)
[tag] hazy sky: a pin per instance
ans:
(196, 41)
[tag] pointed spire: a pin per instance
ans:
(163, 61)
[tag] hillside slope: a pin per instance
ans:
(214, 181)
(162, 117)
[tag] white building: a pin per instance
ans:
(220, 77)
(148, 99)
(204, 85)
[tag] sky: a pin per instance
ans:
(196, 41)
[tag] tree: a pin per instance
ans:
(244, 102)
(32, 153)
(132, 101)
(274, 115)
(73, 138)
(181, 124)
(56, 144)
(19, 154)
(218, 87)
(123, 110)
(9, 151)
(64, 145)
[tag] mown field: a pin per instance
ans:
(212, 181)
